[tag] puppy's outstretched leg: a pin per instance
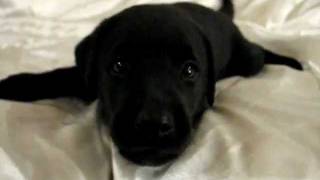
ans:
(64, 82)
(248, 58)
(271, 58)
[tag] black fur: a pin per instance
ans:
(227, 8)
(153, 70)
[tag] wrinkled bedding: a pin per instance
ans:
(266, 127)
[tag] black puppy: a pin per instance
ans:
(153, 70)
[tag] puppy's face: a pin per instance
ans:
(152, 84)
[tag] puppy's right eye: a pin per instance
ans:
(189, 71)
(119, 68)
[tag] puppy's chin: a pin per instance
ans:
(152, 153)
(150, 156)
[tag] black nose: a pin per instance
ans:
(155, 127)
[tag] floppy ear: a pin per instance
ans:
(230, 54)
(207, 57)
(211, 89)
(216, 29)
(227, 52)
(86, 53)
(85, 62)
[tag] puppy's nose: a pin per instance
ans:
(166, 126)
(155, 127)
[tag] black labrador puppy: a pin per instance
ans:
(153, 70)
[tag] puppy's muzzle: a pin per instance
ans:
(154, 129)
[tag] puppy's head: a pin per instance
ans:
(149, 67)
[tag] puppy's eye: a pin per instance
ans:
(189, 71)
(119, 68)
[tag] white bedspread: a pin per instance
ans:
(262, 128)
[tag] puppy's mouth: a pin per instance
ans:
(155, 154)
(148, 156)
(151, 141)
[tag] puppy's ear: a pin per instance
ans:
(216, 29)
(211, 79)
(85, 62)
(87, 51)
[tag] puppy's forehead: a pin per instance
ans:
(153, 26)
(154, 17)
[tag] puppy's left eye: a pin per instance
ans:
(189, 71)
(119, 68)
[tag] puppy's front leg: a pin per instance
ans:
(64, 82)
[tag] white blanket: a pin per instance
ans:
(263, 128)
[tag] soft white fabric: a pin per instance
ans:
(262, 128)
